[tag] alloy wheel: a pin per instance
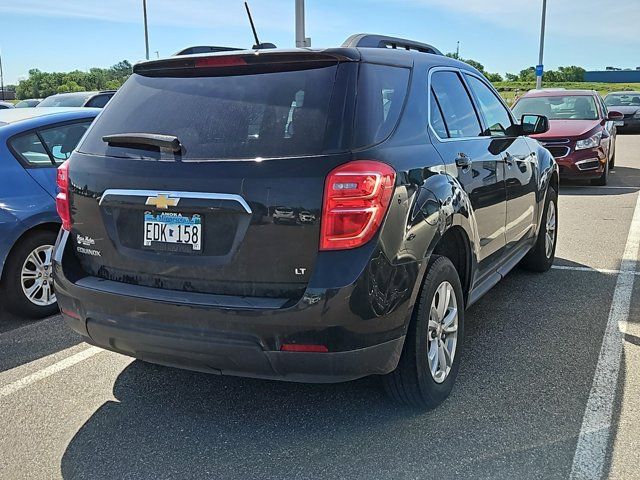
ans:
(36, 276)
(550, 229)
(442, 332)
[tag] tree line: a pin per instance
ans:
(42, 84)
(562, 74)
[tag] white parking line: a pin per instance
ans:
(591, 450)
(48, 371)
(606, 271)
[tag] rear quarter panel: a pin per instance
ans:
(24, 204)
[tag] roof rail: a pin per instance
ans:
(368, 40)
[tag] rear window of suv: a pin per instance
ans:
(277, 114)
(239, 116)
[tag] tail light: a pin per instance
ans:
(221, 61)
(62, 199)
(297, 347)
(356, 198)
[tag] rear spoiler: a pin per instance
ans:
(246, 61)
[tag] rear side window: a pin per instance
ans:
(30, 150)
(459, 114)
(274, 114)
(494, 112)
(437, 121)
(47, 147)
(381, 93)
(99, 101)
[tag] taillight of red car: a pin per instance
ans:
(356, 199)
(62, 199)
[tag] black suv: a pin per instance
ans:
(424, 190)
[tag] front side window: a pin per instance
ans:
(494, 112)
(459, 114)
(559, 107)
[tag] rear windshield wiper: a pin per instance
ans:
(168, 142)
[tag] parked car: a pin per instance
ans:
(29, 102)
(6, 105)
(627, 103)
(78, 99)
(306, 217)
(423, 210)
(33, 142)
(582, 131)
(284, 215)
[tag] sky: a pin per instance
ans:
(64, 35)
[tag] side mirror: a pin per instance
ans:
(534, 124)
(615, 116)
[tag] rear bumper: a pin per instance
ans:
(212, 334)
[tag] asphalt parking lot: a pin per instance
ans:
(539, 395)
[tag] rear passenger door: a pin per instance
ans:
(456, 128)
(520, 164)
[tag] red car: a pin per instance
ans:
(582, 131)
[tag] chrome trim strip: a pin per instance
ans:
(193, 195)
(588, 160)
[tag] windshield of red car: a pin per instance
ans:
(560, 107)
(623, 100)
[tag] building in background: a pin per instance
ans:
(612, 75)
(7, 95)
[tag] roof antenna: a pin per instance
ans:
(258, 45)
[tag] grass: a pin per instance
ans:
(511, 90)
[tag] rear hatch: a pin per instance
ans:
(206, 173)
(236, 140)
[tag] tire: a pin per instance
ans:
(539, 258)
(603, 179)
(612, 162)
(412, 382)
(16, 300)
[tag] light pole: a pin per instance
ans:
(540, 67)
(301, 40)
(1, 77)
(146, 30)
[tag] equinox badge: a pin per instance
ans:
(162, 200)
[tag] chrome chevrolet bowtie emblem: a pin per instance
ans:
(162, 201)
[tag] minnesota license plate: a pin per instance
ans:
(174, 232)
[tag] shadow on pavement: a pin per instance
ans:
(530, 351)
(34, 339)
(625, 179)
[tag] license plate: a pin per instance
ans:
(619, 123)
(175, 232)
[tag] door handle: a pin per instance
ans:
(463, 160)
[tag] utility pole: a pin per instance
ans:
(146, 29)
(301, 40)
(540, 67)
(458, 50)
(1, 77)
